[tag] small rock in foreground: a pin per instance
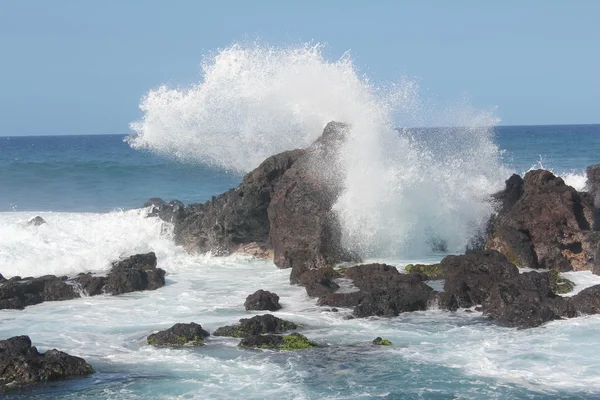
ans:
(21, 364)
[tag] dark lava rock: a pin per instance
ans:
(262, 300)
(284, 205)
(172, 211)
(18, 294)
(238, 216)
(593, 187)
(470, 277)
(21, 364)
(178, 335)
(135, 273)
(319, 282)
(257, 325)
(545, 226)
(36, 221)
(526, 301)
(304, 231)
(383, 291)
(587, 301)
(90, 284)
(294, 341)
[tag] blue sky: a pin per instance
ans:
(80, 67)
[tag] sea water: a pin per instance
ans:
(90, 189)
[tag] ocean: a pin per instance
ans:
(90, 189)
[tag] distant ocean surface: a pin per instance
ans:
(89, 190)
(102, 173)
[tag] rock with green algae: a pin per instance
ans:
(294, 341)
(559, 284)
(257, 325)
(381, 342)
(431, 271)
(179, 335)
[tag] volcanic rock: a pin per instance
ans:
(262, 300)
(21, 364)
(179, 335)
(546, 226)
(257, 325)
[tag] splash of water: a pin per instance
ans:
(404, 190)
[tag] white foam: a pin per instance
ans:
(69, 243)
(403, 191)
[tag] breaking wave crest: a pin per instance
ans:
(406, 190)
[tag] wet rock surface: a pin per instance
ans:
(21, 364)
(179, 335)
(262, 300)
(543, 223)
(383, 291)
(135, 273)
(258, 325)
(294, 341)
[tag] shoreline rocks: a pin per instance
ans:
(21, 364)
(134, 273)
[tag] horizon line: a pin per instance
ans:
(404, 127)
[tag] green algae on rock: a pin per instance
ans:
(381, 342)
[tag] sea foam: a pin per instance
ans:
(406, 191)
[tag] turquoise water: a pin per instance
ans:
(88, 188)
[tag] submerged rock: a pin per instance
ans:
(294, 341)
(262, 300)
(257, 325)
(21, 364)
(179, 335)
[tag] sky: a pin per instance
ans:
(81, 67)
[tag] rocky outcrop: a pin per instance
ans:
(526, 301)
(378, 341)
(305, 232)
(470, 277)
(294, 341)
(282, 208)
(18, 294)
(179, 335)
(383, 291)
(543, 223)
(262, 300)
(135, 273)
(21, 364)
(233, 219)
(593, 188)
(257, 325)
(320, 282)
